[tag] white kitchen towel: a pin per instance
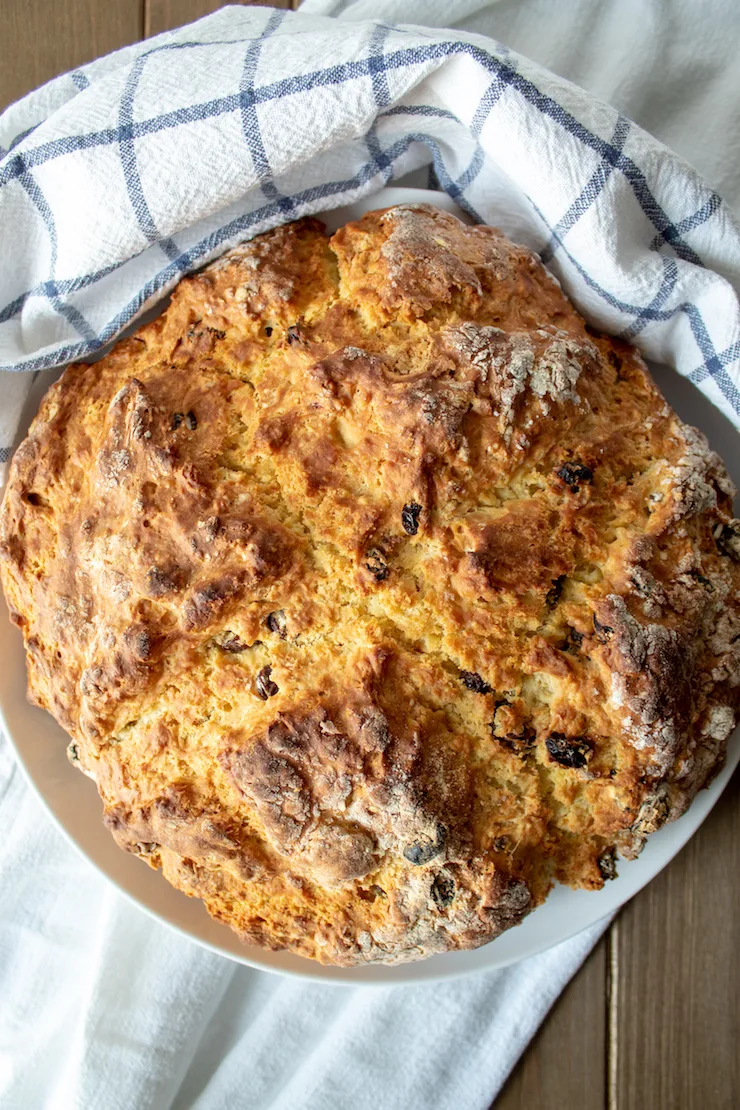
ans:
(118, 178)
(102, 1008)
(669, 65)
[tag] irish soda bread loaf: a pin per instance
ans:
(375, 589)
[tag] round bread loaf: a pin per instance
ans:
(376, 590)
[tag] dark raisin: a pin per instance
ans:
(552, 597)
(501, 844)
(191, 420)
(443, 890)
(728, 540)
(572, 473)
(72, 753)
(266, 688)
(607, 864)
(423, 850)
(573, 641)
(277, 623)
(410, 517)
(177, 419)
(268, 330)
(569, 751)
(603, 631)
(474, 682)
(375, 562)
(294, 335)
(230, 642)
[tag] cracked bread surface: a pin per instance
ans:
(376, 591)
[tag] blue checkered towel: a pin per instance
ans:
(120, 177)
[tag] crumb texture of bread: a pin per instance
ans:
(376, 591)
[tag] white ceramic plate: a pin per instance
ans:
(73, 802)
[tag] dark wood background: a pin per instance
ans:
(652, 1020)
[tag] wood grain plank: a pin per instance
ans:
(164, 15)
(565, 1065)
(42, 39)
(678, 1024)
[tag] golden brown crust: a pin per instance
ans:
(375, 590)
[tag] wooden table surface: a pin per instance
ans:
(652, 1020)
